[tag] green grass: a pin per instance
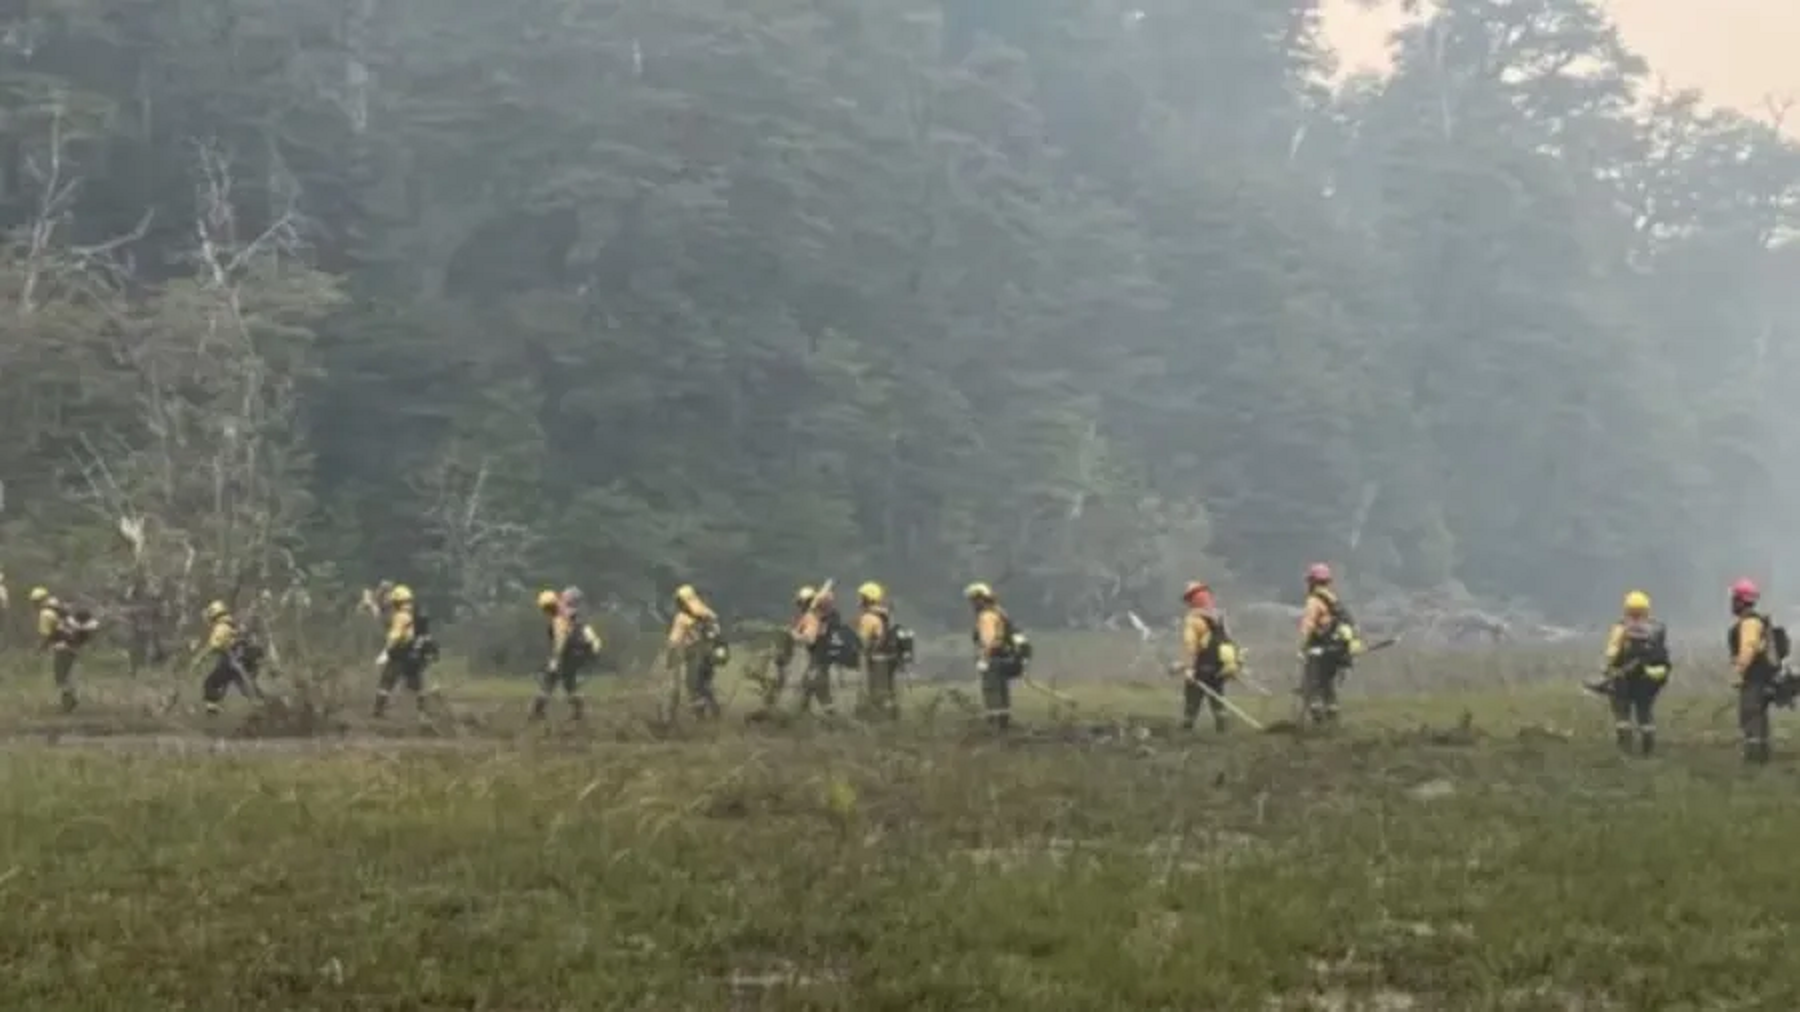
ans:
(1098, 860)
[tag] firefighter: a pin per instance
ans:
(788, 646)
(1328, 645)
(573, 643)
(224, 651)
(998, 658)
(1755, 668)
(1209, 657)
(880, 636)
(63, 633)
(408, 652)
(821, 636)
(696, 649)
(1637, 668)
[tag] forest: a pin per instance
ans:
(1083, 298)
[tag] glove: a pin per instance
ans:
(981, 666)
(381, 659)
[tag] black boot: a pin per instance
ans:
(577, 708)
(381, 704)
(539, 707)
(1647, 742)
(1624, 736)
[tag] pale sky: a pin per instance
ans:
(1736, 51)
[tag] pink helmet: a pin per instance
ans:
(1745, 591)
(1318, 572)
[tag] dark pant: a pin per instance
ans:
(996, 690)
(224, 674)
(1753, 716)
(1634, 709)
(815, 686)
(879, 694)
(407, 671)
(1319, 684)
(565, 676)
(1194, 696)
(62, 669)
(698, 671)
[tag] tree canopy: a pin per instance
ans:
(1085, 298)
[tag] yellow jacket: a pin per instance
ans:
(871, 628)
(1316, 616)
(400, 627)
(50, 628)
(1196, 635)
(685, 630)
(1750, 644)
(990, 631)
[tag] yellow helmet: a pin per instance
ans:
(804, 595)
(214, 611)
(546, 599)
(978, 592)
(401, 594)
(1637, 602)
(871, 593)
(686, 594)
(39, 595)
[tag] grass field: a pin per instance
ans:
(1097, 859)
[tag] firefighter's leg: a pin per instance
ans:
(540, 703)
(882, 701)
(1753, 719)
(384, 685)
(62, 670)
(783, 660)
(218, 681)
(1215, 702)
(1644, 713)
(1192, 698)
(1621, 700)
(571, 686)
(996, 694)
(1319, 688)
(816, 687)
(700, 684)
(414, 676)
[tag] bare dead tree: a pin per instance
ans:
(479, 551)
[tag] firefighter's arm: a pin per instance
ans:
(809, 630)
(1750, 646)
(592, 636)
(559, 641)
(988, 629)
(1615, 642)
(1310, 618)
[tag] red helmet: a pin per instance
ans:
(1745, 591)
(1318, 572)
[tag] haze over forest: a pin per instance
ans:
(1082, 298)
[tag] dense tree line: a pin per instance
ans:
(1079, 296)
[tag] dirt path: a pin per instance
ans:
(201, 744)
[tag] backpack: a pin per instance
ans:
(1209, 662)
(423, 648)
(1776, 644)
(1645, 646)
(1333, 639)
(896, 640)
(838, 643)
(579, 647)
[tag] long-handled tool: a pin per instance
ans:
(1218, 698)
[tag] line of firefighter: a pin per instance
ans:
(1637, 656)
